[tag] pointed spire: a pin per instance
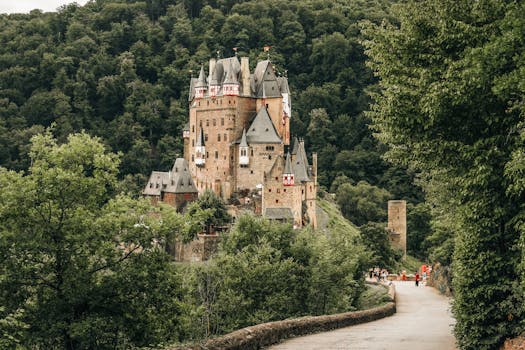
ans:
(201, 81)
(200, 138)
(288, 164)
(244, 143)
(230, 77)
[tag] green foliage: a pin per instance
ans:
(76, 260)
(266, 271)
(363, 202)
(212, 210)
(450, 106)
(375, 238)
(418, 229)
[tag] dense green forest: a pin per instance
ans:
(120, 70)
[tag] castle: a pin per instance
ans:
(237, 140)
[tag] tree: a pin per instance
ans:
(363, 202)
(375, 238)
(214, 206)
(76, 260)
(450, 104)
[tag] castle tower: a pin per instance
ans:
(186, 138)
(201, 86)
(397, 224)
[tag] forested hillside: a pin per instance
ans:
(120, 70)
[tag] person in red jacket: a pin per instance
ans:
(417, 278)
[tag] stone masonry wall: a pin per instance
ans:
(262, 335)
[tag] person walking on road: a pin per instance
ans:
(417, 278)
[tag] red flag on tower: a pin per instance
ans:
(267, 48)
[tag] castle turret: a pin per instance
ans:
(288, 176)
(243, 150)
(200, 150)
(231, 84)
(201, 86)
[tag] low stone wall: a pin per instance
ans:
(517, 343)
(265, 334)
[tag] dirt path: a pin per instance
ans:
(422, 322)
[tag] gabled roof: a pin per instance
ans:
(262, 129)
(178, 180)
(244, 143)
(265, 81)
(200, 138)
(283, 85)
(193, 81)
(282, 213)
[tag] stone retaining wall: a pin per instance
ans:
(265, 334)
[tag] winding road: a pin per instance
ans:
(423, 321)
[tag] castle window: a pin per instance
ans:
(222, 121)
(276, 201)
(207, 122)
(193, 128)
(151, 185)
(156, 185)
(302, 191)
(192, 158)
(216, 155)
(205, 137)
(269, 148)
(199, 103)
(207, 103)
(269, 190)
(219, 137)
(310, 188)
(284, 190)
(267, 105)
(251, 171)
(277, 178)
(207, 155)
(163, 186)
(278, 190)
(270, 157)
(192, 142)
(252, 152)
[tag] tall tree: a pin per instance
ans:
(450, 103)
(76, 260)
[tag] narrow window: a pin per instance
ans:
(276, 201)
(269, 190)
(205, 137)
(222, 121)
(216, 155)
(219, 137)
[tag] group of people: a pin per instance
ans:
(378, 274)
(382, 274)
(425, 272)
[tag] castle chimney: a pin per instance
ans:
(245, 76)
(211, 68)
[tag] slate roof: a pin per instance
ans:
(262, 129)
(300, 164)
(178, 180)
(201, 81)
(278, 213)
(200, 138)
(288, 165)
(244, 143)
(228, 70)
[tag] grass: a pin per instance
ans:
(410, 265)
(333, 218)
